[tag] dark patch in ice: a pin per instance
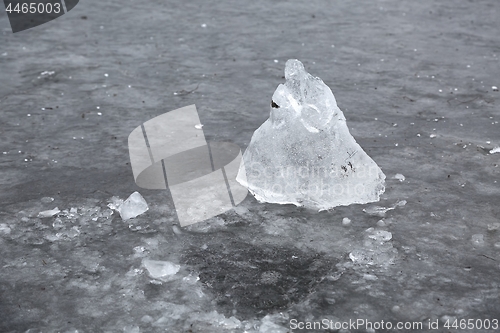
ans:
(255, 281)
(274, 105)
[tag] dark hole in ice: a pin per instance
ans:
(274, 105)
(255, 281)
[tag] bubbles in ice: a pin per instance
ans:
(304, 154)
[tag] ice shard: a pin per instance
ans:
(304, 154)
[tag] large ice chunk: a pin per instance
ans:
(304, 154)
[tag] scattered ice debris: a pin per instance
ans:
(399, 177)
(47, 73)
(305, 135)
(346, 221)
(47, 199)
(478, 239)
(495, 150)
(199, 126)
(49, 213)
(380, 211)
(159, 269)
(376, 250)
(494, 88)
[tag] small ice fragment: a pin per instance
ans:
(346, 221)
(4, 228)
(400, 203)
(49, 213)
(73, 232)
(47, 199)
(432, 136)
(380, 211)
(494, 88)
(99, 113)
(199, 126)
(158, 269)
(58, 224)
(176, 230)
(370, 277)
(493, 226)
(73, 210)
(134, 206)
(399, 177)
(478, 239)
(106, 75)
(377, 210)
(276, 61)
(381, 235)
(381, 223)
(131, 329)
(495, 150)
(204, 25)
(115, 203)
(497, 245)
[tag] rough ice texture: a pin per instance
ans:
(134, 206)
(304, 154)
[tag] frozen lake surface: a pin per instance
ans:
(416, 82)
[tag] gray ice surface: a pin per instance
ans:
(414, 80)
